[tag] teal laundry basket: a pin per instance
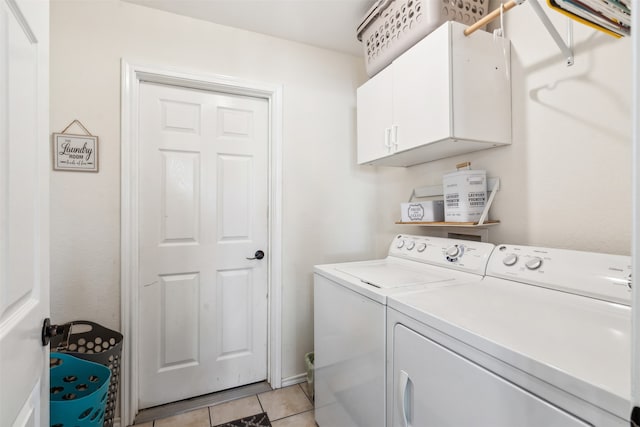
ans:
(78, 394)
(95, 343)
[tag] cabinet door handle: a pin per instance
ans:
(387, 139)
(403, 386)
(395, 136)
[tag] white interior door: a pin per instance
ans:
(24, 244)
(203, 214)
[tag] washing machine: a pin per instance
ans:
(350, 320)
(542, 340)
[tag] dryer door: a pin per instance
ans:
(432, 386)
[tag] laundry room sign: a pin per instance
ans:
(75, 152)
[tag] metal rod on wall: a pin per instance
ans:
(491, 16)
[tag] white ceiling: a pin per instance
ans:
(329, 24)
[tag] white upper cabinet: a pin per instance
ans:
(447, 95)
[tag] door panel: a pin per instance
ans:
(181, 116)
(24, 245)
(235, 191)
(180, 196)
(234, 313)
(203, 210)
(179, 314)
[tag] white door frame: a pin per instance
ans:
(132, 76)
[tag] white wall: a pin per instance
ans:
(566, 179)
(322, 185)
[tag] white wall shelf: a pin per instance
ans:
(451, 224)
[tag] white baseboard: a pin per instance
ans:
(116, 422)
(296, 379)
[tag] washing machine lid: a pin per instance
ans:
(384, 274)
(378, 279)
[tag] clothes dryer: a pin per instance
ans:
(542, 340)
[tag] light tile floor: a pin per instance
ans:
(286, 407)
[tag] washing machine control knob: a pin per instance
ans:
(534, 263)
(400, 244)
(411, 245)
(510, 260)
(422, 247)
(453, 251)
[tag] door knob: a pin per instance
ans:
(258, 255)
(49, 330)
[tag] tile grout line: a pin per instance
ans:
(293, 415)
(262, 407)
(308, 398)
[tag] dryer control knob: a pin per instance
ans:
(411, 245)
(422, 247)
(400, 244)
(453, 251)
(534, 263)
(510, 260)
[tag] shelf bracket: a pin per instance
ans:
(495, 186)
(565, 48)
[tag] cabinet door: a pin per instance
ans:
(421, 92)
(374, 117)
(432, 386)
(481, 92)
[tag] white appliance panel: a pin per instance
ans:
(433, 386)
(349, 360)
